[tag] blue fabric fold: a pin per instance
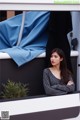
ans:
(34, 37)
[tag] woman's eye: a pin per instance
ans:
(55, 56)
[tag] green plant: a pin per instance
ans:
(14, 90)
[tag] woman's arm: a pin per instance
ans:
(66, 88)
(70, 87)
(50, 90)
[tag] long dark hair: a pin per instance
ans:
(65, 73)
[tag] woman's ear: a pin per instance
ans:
(61, 59)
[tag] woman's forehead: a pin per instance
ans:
(55, 53)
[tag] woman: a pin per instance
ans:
(57, 79)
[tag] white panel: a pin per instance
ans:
(34, 5)
(27, 1)
(40, 104)
(42, 1)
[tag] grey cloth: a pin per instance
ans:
(55, 86)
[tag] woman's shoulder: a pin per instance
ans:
(46, 69)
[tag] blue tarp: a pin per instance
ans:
(34, 37)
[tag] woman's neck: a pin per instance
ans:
(56, 68)
(56, 72)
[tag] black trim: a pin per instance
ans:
(59, 114)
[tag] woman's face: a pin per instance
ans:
(55, 59)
